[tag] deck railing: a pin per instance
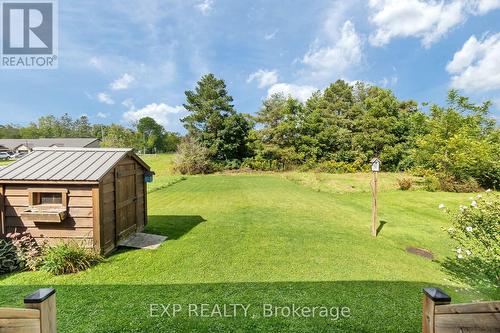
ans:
(39, 315)
(439, 316)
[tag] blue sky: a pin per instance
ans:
(121, 60)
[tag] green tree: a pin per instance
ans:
(213, 122)
(462, 142)
(65, 127)
(48, 127)
(10, 131)
(121, 137)
(279, 117)
(329, 122)
(82, 128)
(383, 129)
(151, 134)
(170, 141)
(30, 132)
(99, 131)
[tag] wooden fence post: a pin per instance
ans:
(374, 204)
(432, 297)
(44, 300)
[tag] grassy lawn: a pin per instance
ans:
(5, 162)
(161, 164)
(264, 238)
(347, 183)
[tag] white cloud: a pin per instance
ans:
(388, 81)
(122, 82)
(484, 6)
(300, 92)
(271, 35)
(427, 20)
(344, 53)
(164, 114)
(102, 115)
(264, 77)
(476, 67)
(105, 98)
(129, 103)
(205, 7)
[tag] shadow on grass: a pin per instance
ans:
(375, 306)
(172, 226)
(381, 226)
(472, 272)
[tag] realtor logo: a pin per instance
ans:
(29, 34)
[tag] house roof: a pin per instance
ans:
(66, 164)
(59, 142)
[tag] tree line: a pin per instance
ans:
(338, 129)
(146, 135)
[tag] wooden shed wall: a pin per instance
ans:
(130, 202)
(78, 224)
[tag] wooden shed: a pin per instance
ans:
(93, 195)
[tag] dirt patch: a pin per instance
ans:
(420, 252)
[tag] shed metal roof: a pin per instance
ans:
(66, 164)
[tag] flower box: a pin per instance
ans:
(51, 215)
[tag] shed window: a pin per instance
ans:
(51, 198)
(48, 197)
(47, 205)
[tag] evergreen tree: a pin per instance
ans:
(213, 122)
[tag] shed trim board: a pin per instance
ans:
(2, 209)
(105, 195)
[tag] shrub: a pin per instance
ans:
(338, 167)
(67, 258)
(27, 248)
(450, 184)
(260, 164)
(445, 182)
(431, 183)
(476, 229)
(9, 260)
(405, 183)
(192, 158)
(232, 165)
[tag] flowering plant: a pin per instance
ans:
(476, 229)
(28, 250)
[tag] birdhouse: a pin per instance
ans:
(375, 164)
(148, 176)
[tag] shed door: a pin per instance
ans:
(126, 197)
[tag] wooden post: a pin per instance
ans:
(44, 300)
(432, 297)
(98, 230)
(2, 211)
(374, 204)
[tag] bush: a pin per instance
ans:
(67, 258)
(192, 158)
(338, 167)
(27, 248)
(450, 184)
(260, 164)
(405, 183)
(232, 165)
(476, 229)
(444, 182)
(9, 260)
